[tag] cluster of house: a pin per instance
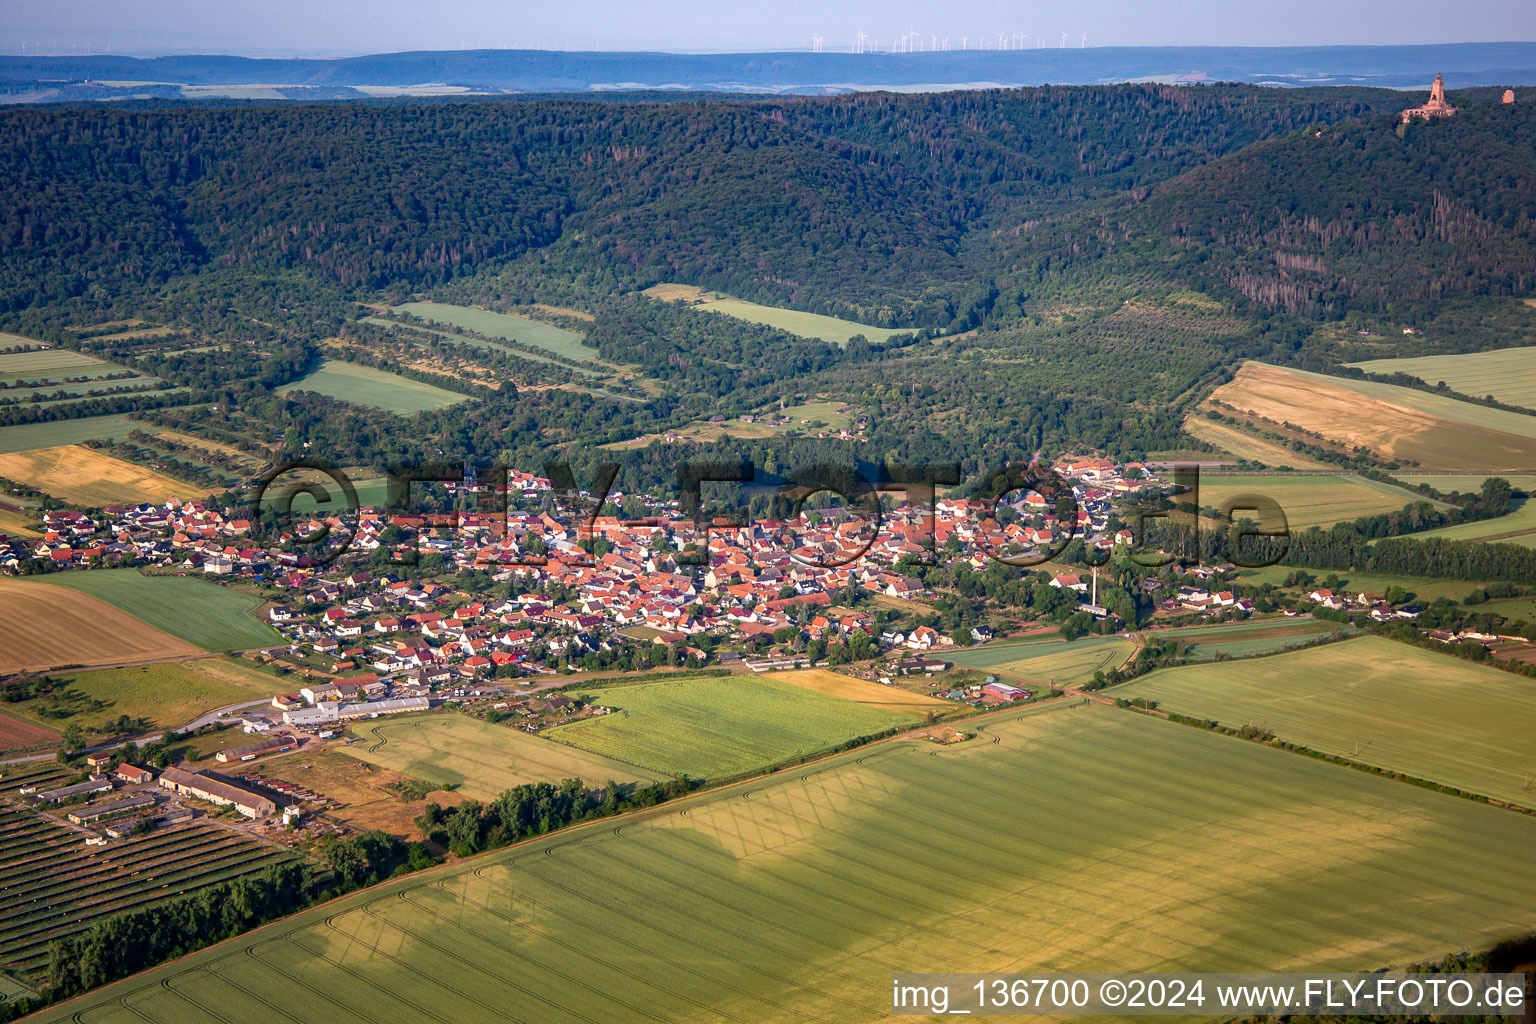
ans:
(1376, 605)
(760, 578)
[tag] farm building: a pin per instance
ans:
(1003, 691)
(250, 750)
(385, 707)
(132, 775)
(217, 791)
(54, 796)
(116, 808)
(323, 713)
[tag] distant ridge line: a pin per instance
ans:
(31, 79)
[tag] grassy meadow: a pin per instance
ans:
(1518, 527)
(1082, 840)
(1309, 500)
(1048, 662)
(1505, 374)
(169, 694)
(1466, 482)
(49, 363)
(25, 437)
(478, 759)
(377, 389)
(1247, 639)
(806, 325)
(717, 727)
(212, 617)
(535, 333)
(1374, 700)
(413, 331)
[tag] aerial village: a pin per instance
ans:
(519, 603)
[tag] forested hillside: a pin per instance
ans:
(1362, 215)
(1069, 266)
(863, 204)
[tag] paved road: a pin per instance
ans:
(233, 710)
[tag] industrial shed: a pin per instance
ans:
(101, 812)
(217, 791)
(86, 788)
(250, 750)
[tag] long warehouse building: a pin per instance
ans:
(217, 791)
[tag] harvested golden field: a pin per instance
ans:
(834, 684)
(84, 476)
(51, 626)
(15, 524)
(1246, 446)
(1414, 427)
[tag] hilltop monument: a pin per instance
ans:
(1436, 107)
(1509, 96)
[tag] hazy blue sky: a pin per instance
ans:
(345, 26)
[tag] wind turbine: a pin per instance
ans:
(1063, 39)
(1084, 45)
(815, 44)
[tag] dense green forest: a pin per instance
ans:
(1076, 266)
(1363, 215)
(861, 203)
